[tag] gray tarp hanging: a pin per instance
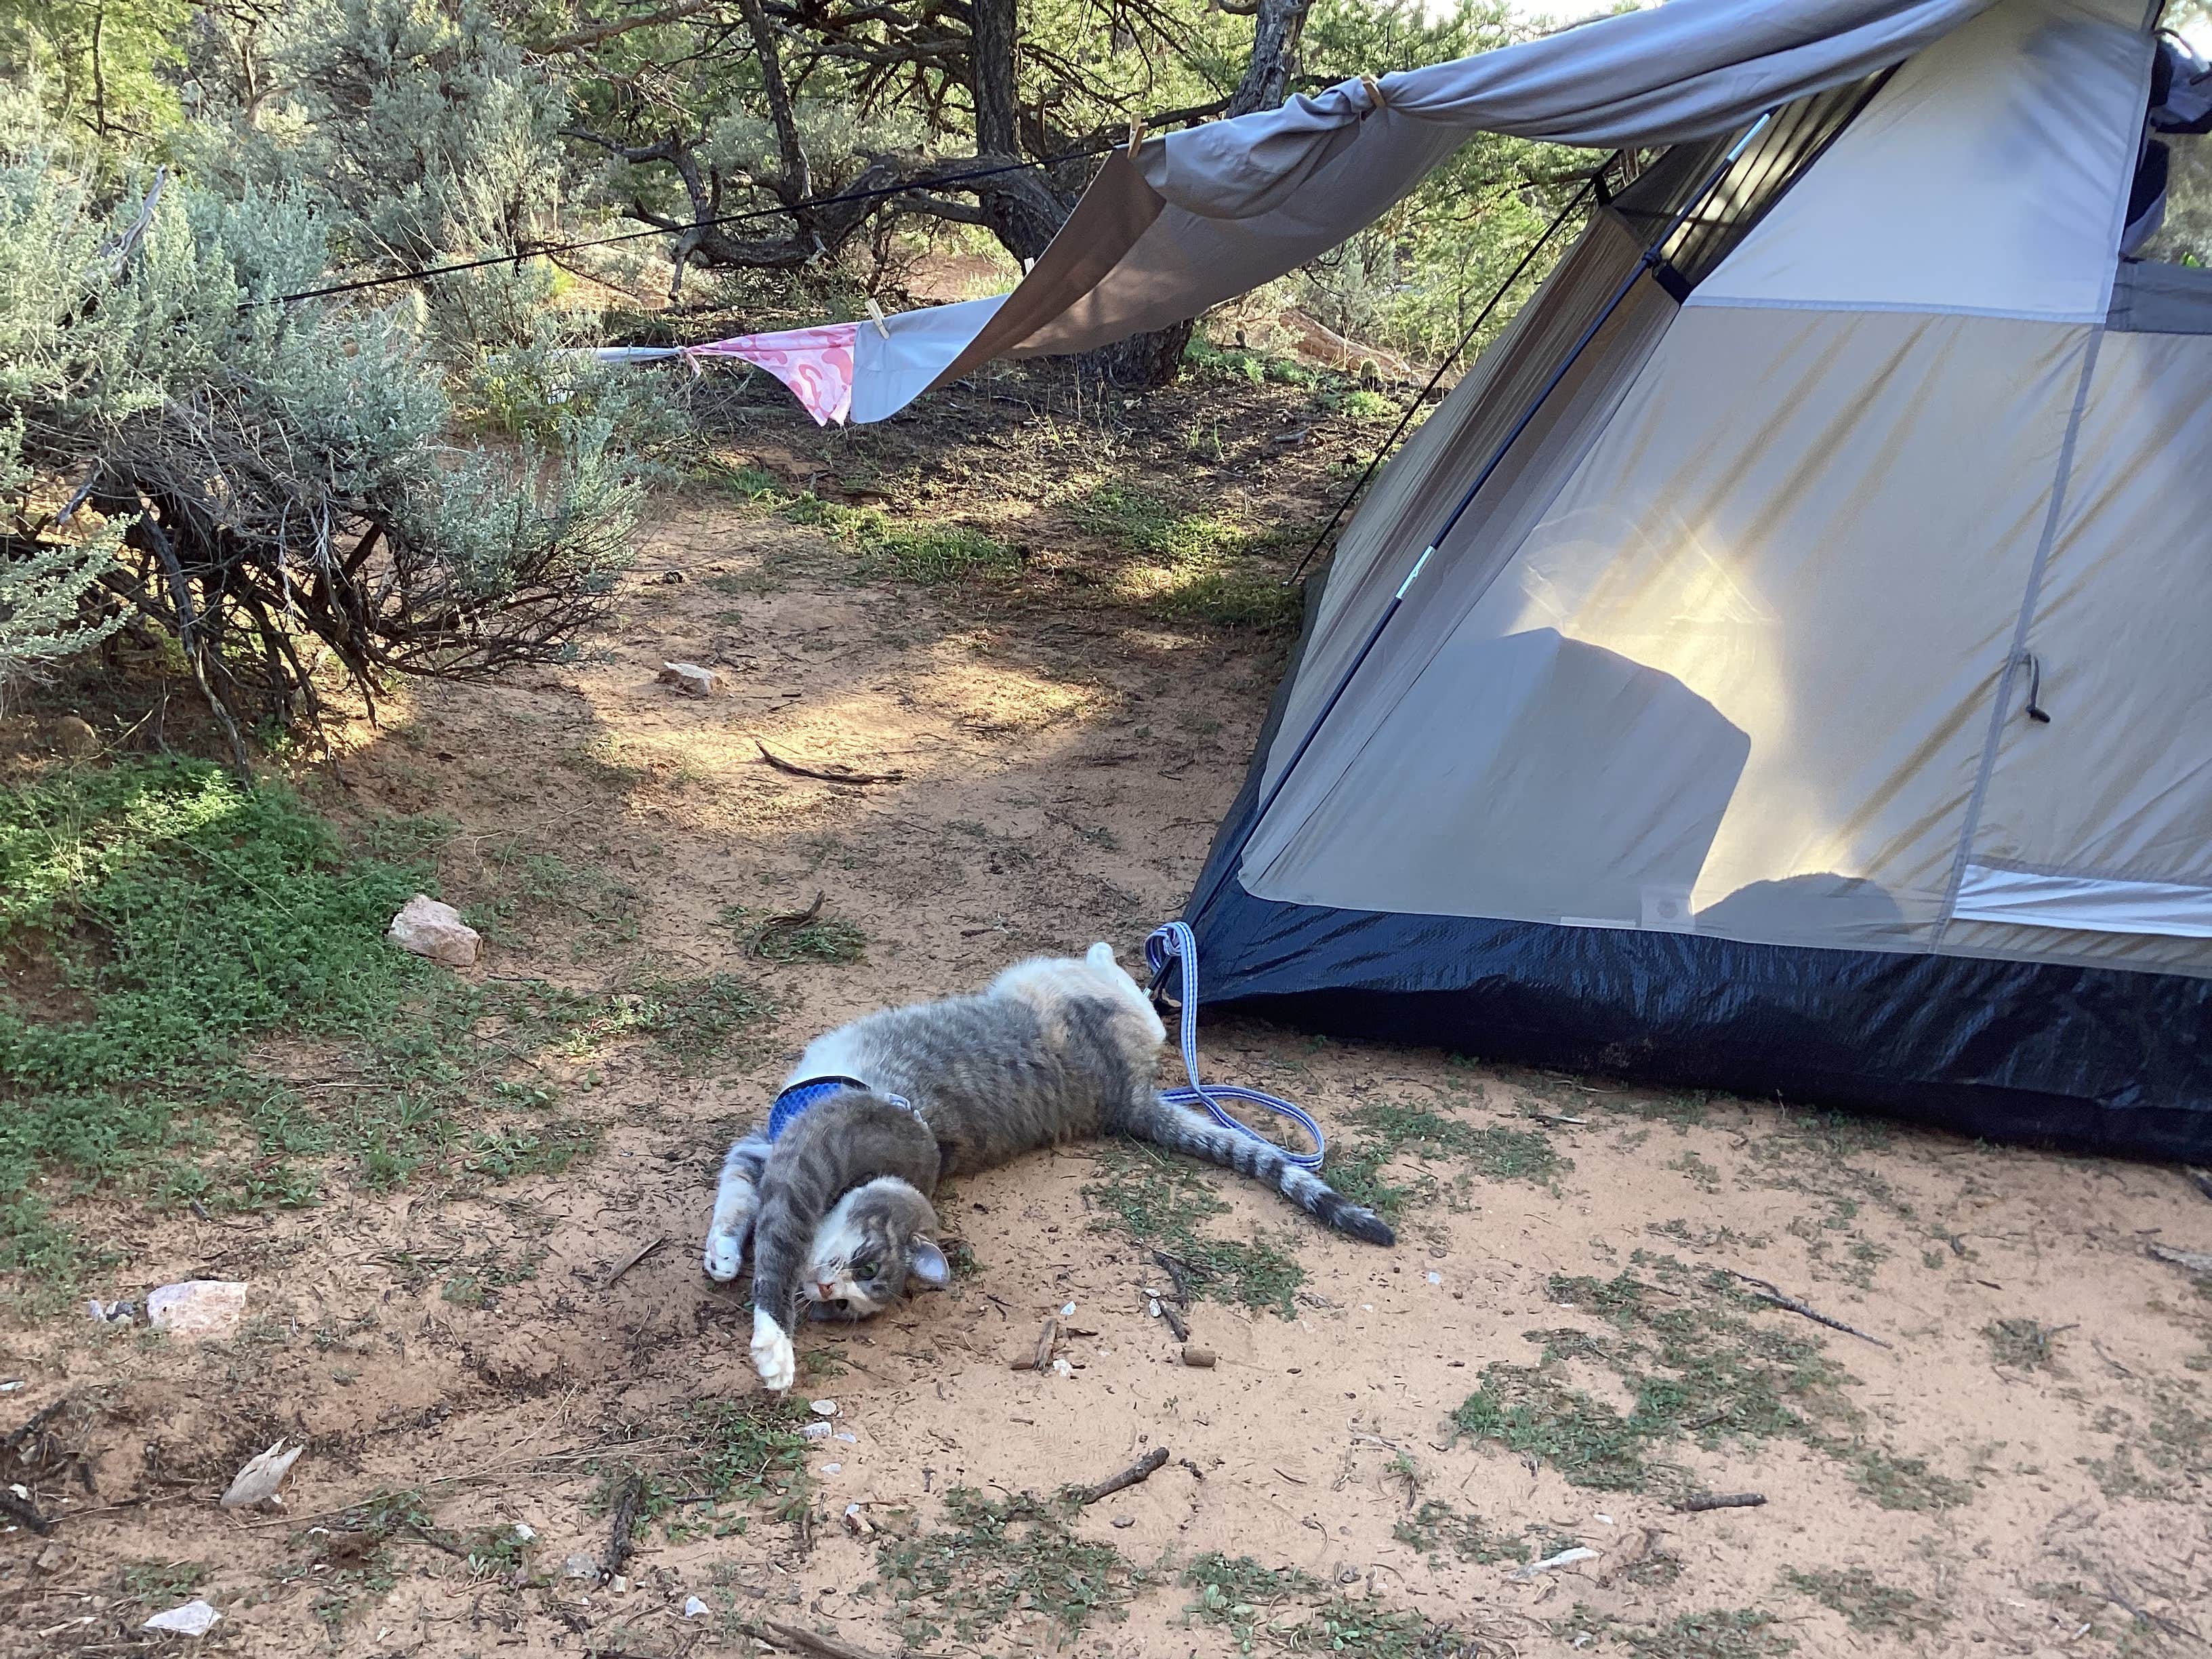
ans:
(1202, 215)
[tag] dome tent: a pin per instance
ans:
(1779, 665)
(1813, 699)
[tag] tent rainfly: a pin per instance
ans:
(1781, 663)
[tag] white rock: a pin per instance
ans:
(1434, 1279)
(524, 1532)
(688, 677)
(1061, 1368)
(437, 930)
(695, 1608)
(1068, 1312)
(848, 1439)
(816, 1431)
(822, 1407)
(198, 1307)
(833, 1468)
(581, 1566)
(257, 1481)
(195, 1617)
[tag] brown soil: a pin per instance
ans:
(1066, 758)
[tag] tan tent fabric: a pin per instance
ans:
(1723, 534)
(2118, 783)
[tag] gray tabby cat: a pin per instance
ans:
(837, 1206)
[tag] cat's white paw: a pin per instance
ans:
(774, 1357)
(724, 1257)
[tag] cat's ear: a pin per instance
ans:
(926, 1263)
(1100, 954)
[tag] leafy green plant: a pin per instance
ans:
(996, 1556)
(1158, 1202)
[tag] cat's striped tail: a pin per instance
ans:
(1181, 1129)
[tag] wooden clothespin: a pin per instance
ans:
(1374, 98)
(876, 312)
(1136, 134)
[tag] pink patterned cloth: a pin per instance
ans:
(815, 363)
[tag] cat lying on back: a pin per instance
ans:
(834, 1193)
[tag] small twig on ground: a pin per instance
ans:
(1721, 1500)
(2202, 1178)
(789, 923)
(1142, 1470)
(2196, 1261)
(778, 1634)
(425, 1536)
(840, 774)
(630, 1261)
(2144, 1615)
(625, 1523)
(2108, 1358)
(1780, 1298)
(1180, 1272)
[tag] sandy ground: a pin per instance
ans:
(1062, 775)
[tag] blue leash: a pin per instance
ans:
(1175, 943)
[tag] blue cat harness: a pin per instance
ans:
(793, 1102)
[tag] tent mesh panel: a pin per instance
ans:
(1773, 161)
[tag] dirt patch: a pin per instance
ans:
(1554, 1357)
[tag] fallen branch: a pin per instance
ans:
(778, 1634)
(625, 1523)
(1721, 1500)
(2196, 1261)
(838, 774)
(1138, 1472)
(633, 1258)
(1775, 1295)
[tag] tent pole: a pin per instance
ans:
(1651, 259)
(1444, 368)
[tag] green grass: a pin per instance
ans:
(925, 551)
(1719, 1633)
(1208, 575)
(995, 1558)
(1281, 1609)
(1867, 1603)
(1235, 597)
(1493, 1151)
(2024, 1345)
(1437, 1528)
(828, 939)
(1897, 1482)
(1158, 1202)
(1699, 1364)
(161, 923)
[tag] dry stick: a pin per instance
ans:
(2202, 1178)
(1780, 1298)
(791, 922)
(1721, 1500)
(1142, 1470)
(839, 776)
(624, 1522)
(633, 1258)
(778, 1634)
